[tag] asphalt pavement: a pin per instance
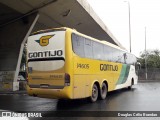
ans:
(143, 97)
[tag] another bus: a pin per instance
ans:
(65, 64)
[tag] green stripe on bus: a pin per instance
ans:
(121, 77)
(124, 74)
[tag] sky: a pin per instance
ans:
(143, 13)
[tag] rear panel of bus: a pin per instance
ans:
(46, 65)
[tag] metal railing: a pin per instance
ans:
(152, 73)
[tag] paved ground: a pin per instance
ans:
(143, 97)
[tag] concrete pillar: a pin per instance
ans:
(13, 37)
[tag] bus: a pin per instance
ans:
(65, 64)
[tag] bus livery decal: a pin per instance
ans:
(124, 74)
(44, 40)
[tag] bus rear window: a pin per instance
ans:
(46, 65)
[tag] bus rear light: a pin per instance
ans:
(67, 79)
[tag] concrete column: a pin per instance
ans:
(13, 37)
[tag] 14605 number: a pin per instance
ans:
(82, 66)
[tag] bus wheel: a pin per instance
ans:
(103, 92)
(94, 95)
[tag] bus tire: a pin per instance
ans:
(94, 96)
(103, 91)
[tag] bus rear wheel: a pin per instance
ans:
(103, 92)
(94, 95)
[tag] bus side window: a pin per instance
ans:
(97, 51)
(125, 57)
(128, 59)
(115, 55)
(78, 45)
(107, 51)
(122, 57)
(88, 48)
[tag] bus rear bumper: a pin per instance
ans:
(50, 93)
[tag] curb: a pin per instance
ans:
(148, 81)
(13, 92)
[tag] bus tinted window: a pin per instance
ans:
(121, 57)
(78, 45)
(97, 50)
(115, 55)
(88, 48)
(107, 51)
(125, 57)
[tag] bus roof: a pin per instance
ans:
(75, 31)
(49, 30)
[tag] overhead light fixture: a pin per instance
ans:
(66, 13)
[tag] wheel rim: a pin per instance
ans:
(103, 91)
(94, 93)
